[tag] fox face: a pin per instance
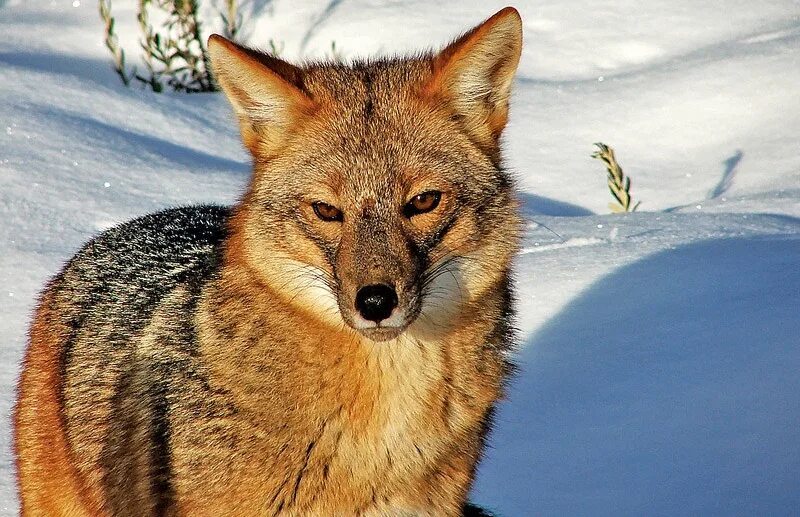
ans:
(378, 202)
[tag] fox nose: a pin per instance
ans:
(376, 302)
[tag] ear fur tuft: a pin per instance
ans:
(474, 74)
(264, 91)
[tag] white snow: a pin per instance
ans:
(659, 350)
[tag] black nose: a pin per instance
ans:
(375, 302)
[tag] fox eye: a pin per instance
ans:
(422, 203)
(326, 212)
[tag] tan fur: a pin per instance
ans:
(49, 484)
(388, 414)
(253, 387)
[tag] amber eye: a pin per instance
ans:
(422, 203)
(326, 212)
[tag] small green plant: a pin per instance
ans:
(174, 54)
(618, 183)
(112, 43)
(178, 52)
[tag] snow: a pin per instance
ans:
(669, 386)
(659, 350)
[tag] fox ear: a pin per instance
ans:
(474, 75)
(263, 90)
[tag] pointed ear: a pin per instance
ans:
(264, 91)
(474, 75)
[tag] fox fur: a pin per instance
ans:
(212, 361)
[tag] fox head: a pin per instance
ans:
(378, 201)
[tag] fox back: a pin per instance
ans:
(333, 344)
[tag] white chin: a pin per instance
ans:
(381, 333)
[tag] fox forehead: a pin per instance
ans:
(374, 112)
(374, 136)
(365, 85)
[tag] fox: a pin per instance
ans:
(333, 344)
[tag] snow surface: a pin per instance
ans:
(660, 350)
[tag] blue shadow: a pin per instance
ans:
(533, 205)
(670, 387)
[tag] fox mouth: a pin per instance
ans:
(383, 330)
(382, 333)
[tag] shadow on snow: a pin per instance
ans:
(669, 387)
(124, 142)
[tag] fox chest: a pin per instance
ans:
(363, 447)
